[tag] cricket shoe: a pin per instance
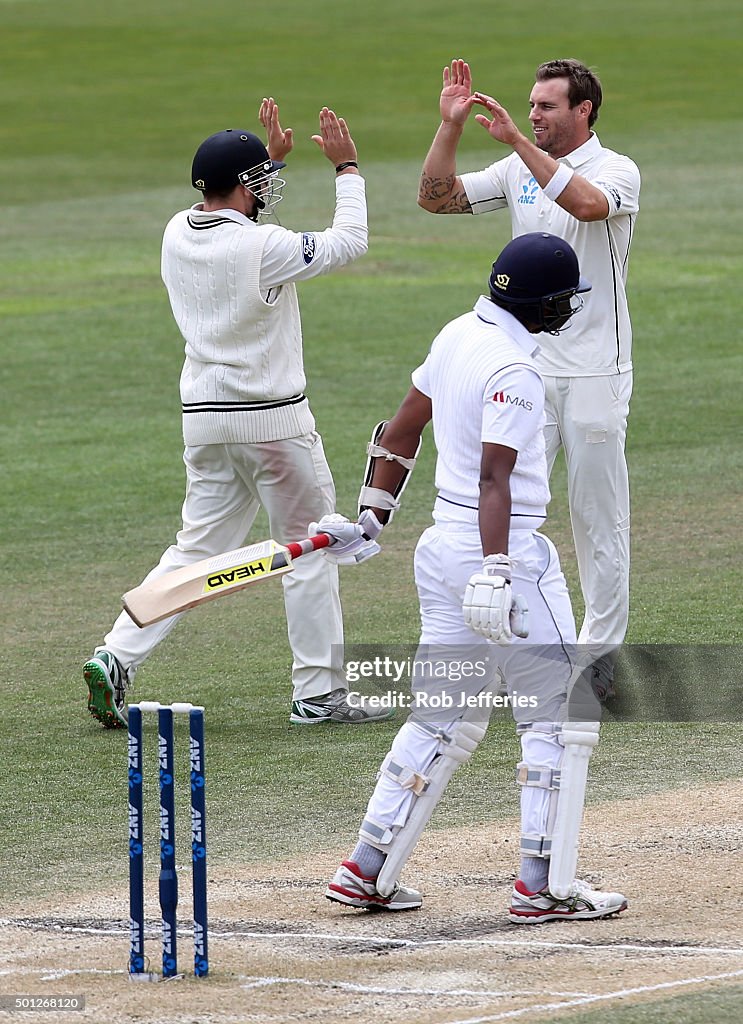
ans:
(349, 886)
(106, 681)
(336, 707)
(581, 904)
(602, 678)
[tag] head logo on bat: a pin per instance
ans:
(236, 575)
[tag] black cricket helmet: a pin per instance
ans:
(535, 278)
(235, 157)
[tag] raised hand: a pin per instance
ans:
(456, 100)
(499, 125)
(335, 139)
(279, 142)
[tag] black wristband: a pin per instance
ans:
(348, 163)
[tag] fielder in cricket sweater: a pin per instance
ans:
(249, 434)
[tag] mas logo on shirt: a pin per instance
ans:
(505, 399)
(613, 192)
(308, 247)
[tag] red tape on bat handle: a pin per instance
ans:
(303, 547)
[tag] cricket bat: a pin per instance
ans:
(214, 577)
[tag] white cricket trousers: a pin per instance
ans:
(587, 417)
(226, 484)
(447, 554)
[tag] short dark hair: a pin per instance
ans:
(214, 195)
(583, 84)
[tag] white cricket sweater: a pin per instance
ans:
(231, 285)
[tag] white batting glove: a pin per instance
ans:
(519, 617)
(489, 606)
(354, 542)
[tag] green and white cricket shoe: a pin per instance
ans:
(336, 707)
(582, 904)
(107, 680)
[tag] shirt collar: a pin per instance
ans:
(198, 212)
(583, 154)
(492, 314)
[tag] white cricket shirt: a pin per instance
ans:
(599, 340)
(484, 387)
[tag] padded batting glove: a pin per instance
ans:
(490, 607)
(354, 542)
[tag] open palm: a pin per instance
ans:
(456, 98)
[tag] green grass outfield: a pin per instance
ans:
(101, 108)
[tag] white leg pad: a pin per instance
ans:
(539, 774)
(579, 739)
(455, 748)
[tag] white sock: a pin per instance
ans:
(534, 873)
(368, 858)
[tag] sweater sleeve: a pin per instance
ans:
(299, 255)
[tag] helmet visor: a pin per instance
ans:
(265, 184)
(558, 310)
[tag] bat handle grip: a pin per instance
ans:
(303, 547)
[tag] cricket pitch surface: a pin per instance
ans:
(280, 952)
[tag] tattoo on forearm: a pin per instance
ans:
(457, 203)
(433, 189)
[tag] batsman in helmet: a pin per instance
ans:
(491, 593)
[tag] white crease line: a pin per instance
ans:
(605, 947)
(605, 997)
(348, 986)
(587, 946)
(54, 973)
(508, 943)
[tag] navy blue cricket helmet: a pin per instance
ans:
(535, 278)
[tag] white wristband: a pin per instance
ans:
(558, 182)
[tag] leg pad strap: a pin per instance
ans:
(406, 778)
(545, 778)
(533, 845)
(376, 834)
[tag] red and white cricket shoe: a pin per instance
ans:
(351, 887)
(581, 904)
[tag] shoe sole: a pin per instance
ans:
(320, 719)
(365, 721)
(101, 699)
(370, 903)
(540, 917)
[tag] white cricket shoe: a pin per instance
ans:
(582, 903)
(351, 887)
(336, 707)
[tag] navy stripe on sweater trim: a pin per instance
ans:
(240, 406)
(204, 225)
